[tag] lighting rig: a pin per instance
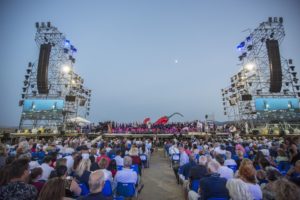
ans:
(264, 76)
(52, 92)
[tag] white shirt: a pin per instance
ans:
(255, 190)
(173, 150)
(119, 160)
(70, 162)
(126, 176)
(230, 162)
(183, 159)
(33, 164)
(225, 172)
(107, 175)
(46, 171)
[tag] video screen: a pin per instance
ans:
(43, 105)
(276, 104)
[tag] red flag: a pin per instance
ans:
(163, 120)
(146, 120)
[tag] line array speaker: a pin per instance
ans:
(42, 74)
(70, 98)
(246, 97)
(275, 65)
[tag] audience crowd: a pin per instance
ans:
(73, 168)
(236, 168)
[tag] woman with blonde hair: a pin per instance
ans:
(82, 172)
(238, 189)
(247, 174)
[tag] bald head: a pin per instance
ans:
(96, 181)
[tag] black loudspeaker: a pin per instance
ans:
(42, 74)
(275, 65)
(70, 98)
(246, 97)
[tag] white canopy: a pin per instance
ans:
(79, 120)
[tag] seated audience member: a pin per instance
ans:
(281, 156)
(224, 171)
(286, 190)
(107, 174)
(46, 168)
(103, 155)
(34, 178)
(186, 168)
(184, 159)
(136, 160)
(82, 172)
(60, 161)
(85, 152)
(71, 186)
(126, 175)
(53, 189)
(70, 161)
(3, 155)
(197, 172)
(94, 165)
(294, 173)
(294, 155)
(96, 183)
(17, 186)
(211, 186)
(119, 159)
(272, 175)
(112, 167)
(247, 173)
(238, 190)
(229, 160)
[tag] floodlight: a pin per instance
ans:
(249, 66)
(66, 69)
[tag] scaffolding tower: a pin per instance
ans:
(52, 93)
(258, 79)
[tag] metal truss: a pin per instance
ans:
(62, 82)
(253, 78)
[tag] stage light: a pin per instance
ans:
(249, 47)
(287, 83)
(66, 69)
(292, 68)
(24, 89)
(295, 80)
(297, 87)
(294, 74)
(37, 25)
(67, 43)
(249, 66)
(28, 71)
(73, 82)
(26, 77)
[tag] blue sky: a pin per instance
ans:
(127, 51)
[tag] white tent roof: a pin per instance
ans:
(79, 120)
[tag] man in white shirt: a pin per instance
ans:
(119, 159)
(229, 160)
(46, 168)
(126, 175)
(224, 171)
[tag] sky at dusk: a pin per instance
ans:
(141, 58)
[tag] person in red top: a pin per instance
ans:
(35, 175)
(136, 160)
(103, 155)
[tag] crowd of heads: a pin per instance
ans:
(57, 168)
(240, 167)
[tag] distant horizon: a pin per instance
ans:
(140, 58)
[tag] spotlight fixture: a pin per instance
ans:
(292, 68)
